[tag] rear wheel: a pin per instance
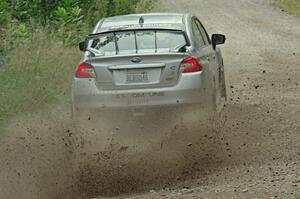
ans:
(218, 92)
(221, 90)
(220, 99)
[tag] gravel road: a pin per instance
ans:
(251, 150)
(258, 151)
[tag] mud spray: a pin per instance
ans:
(107, 154)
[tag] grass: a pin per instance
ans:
(291, 6)
(37, 75)
(38, 72)
(294, 194)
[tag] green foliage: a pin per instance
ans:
(95, 10)
(5, 16)
(37, 54)
(122, 7)
(68, 25)
(38, 74)
(292, 6)
(68, 20)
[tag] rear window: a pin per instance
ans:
(134, 42)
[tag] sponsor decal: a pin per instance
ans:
(140, 95)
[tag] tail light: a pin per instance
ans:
(190, 65)
(85, 70)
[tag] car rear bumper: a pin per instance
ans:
(87, 97)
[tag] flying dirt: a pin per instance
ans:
(249, 150)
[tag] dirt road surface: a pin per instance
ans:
(252, 149)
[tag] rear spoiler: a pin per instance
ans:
(168, 26)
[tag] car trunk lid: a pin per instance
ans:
(140, 71)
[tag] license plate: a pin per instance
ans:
(137, 76)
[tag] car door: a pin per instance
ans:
(205, 52)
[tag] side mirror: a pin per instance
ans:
(82, 46)
(217, 39)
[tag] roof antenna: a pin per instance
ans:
(141, 21)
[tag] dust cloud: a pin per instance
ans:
(117, 152)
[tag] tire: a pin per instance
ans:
(219, 95)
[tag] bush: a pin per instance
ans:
(68, 20)
(68, 25)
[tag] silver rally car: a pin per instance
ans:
(149, 61)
